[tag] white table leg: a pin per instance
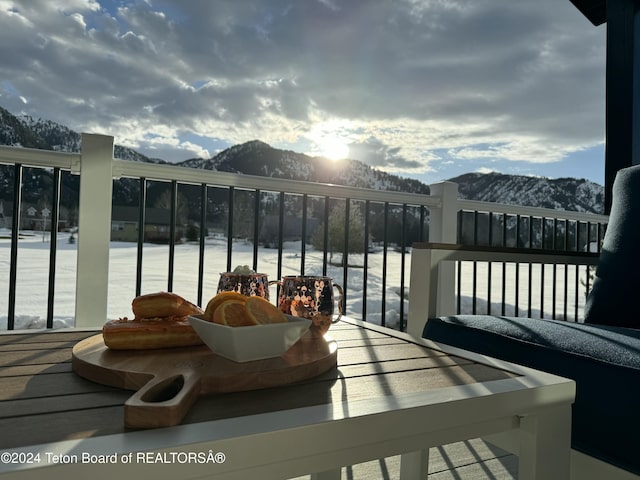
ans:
(414, 465)
(545, 445)
(327, 475)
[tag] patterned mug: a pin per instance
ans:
(246, 284)
(310, 297)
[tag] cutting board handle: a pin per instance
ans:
(163, 401)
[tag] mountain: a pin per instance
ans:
(571, 194)
(14, 132)
(258, 158)
(25, 131)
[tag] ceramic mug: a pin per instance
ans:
(312, 298)
(246, 284)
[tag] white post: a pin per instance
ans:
(443, 228)
(419, 291)
(414, 465)
(545, 445)
(94, 230)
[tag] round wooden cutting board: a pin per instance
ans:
(169, 381)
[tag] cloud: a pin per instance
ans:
(523, 80)
(377, 154)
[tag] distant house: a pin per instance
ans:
(124, 225)
(32, 217)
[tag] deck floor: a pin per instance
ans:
(468, 460)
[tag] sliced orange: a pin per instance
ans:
(262, 311)
(220, 298)
(232, 312)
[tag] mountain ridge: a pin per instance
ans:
(256, 157)
(573, 194)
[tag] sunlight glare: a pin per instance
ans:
(334, 149)
(331, 138)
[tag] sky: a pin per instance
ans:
(425, 89)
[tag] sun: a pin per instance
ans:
(334, 148)
(331, 138)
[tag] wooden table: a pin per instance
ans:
(389, 395)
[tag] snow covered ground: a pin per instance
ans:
(33, 268)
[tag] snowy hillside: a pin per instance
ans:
(258, 158)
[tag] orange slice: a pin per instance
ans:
(220, 298)
(232, 312)
(262, 311)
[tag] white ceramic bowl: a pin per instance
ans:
(256, 342)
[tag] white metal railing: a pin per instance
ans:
(40, 158)
(93, 239)
(97, 168)
(425, 300)
(474, 205)
(125, 168)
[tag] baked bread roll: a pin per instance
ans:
(163, 304)
(125, 334)
(160, 322)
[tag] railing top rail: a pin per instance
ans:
(498, 250)
(498, 253)
(479, 206)
(40, 158)
(71, 161)
(163, 172)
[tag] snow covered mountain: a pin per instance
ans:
(258, 158)
(579, 195)
(26, 131)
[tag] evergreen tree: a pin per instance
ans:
(336, 232)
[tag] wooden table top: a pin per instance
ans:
(42, 400)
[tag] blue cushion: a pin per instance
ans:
(604, 361)
(617, 281)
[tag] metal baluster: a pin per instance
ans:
(55, 208)
(303, 247)
(588, 276)
(325, 237)
(489, 265)
(543, 222)
(230, 229)
(142, 205)
(203, 232)
(555, 270)
(365, 272)
(172, 233)
(566, 270)
(15, 232)
(459, 266)
(577, 276)
(474, 284)
(384, 265)
(530, 276)
(345, 254)
(403, 247)
(517, 293)
(422, 223)
(256, 228)
(504, 264)
(280, 234)
(459, 287)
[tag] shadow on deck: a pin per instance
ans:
(468, 460)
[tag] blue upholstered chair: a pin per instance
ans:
(602, 355)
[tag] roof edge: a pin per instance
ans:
(594, 10)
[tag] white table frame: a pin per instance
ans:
(536, 407)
